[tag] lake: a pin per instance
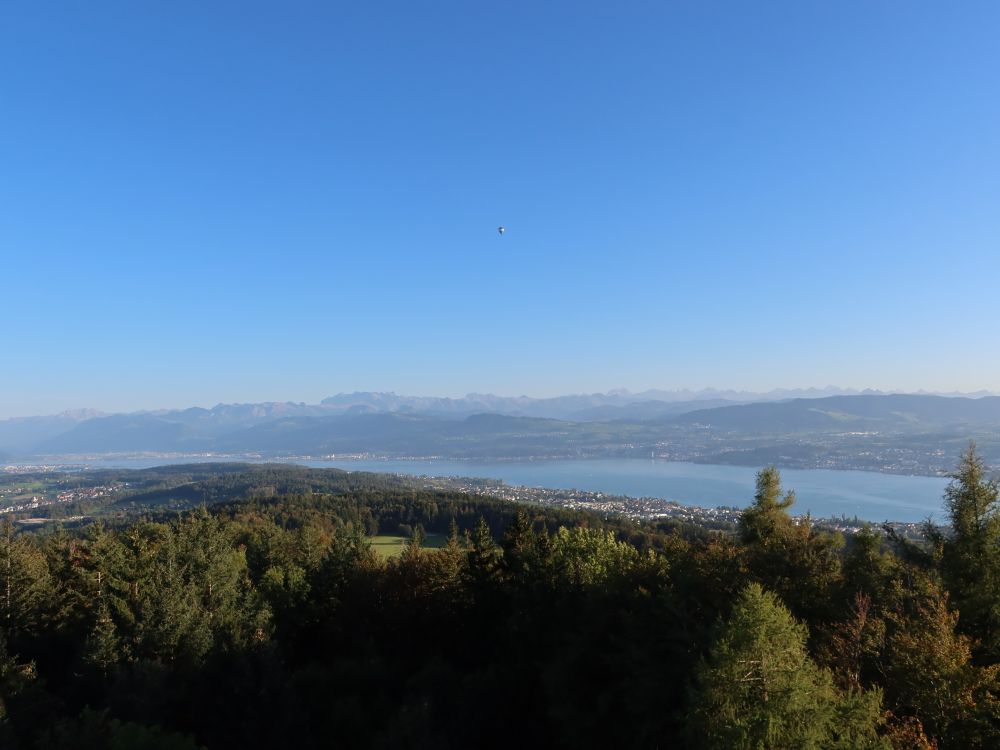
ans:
(824, 493)
(867, 495)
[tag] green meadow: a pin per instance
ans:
(391, 545)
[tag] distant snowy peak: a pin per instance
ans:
(78, 415)
(391, 401)
(617, 403)
(777, 394)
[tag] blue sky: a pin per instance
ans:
(204, 202)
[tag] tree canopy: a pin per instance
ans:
(267, 620)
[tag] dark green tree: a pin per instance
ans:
(868, 569)
(14, 677)
(794, 559)
(26, 587)
(482, 557)
(758, 688)
(103, 648)
(767, 519)
(518, 545)
(971, 554)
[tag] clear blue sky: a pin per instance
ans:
(215, 201)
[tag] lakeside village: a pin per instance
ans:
(16, 499)
(642, 508)
(650, 509)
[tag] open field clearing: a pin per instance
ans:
(391, 545)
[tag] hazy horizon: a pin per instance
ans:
(204, 205)
(678, 393)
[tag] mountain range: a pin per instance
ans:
(898, 432)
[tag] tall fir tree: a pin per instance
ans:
(971, 553)
(758, 689)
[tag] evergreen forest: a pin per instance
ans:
(266, 620)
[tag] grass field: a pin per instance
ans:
(390, 546)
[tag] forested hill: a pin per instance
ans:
(896, 413)
(270, 621)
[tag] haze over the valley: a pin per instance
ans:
(810, 428)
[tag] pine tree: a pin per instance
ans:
(26, 586)
(867, 569)
(414, 546)
(759, 688)
(14, 677)
(448, 566)
(519, 547)
(454, 540)
(929, 672)
(452, 549)
(971, 555)
(482, 558)
(768, 517)
(103, 648)
(799, 562)
(350, 553)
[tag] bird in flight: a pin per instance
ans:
(500, 231)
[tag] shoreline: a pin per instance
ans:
(81, 462)
(649, 491)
